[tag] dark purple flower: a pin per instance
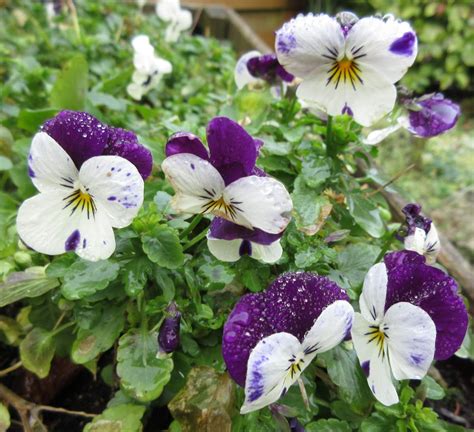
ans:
(168, 336)
(268, 68)
(291, 304)
(437, 115)
(414, 219)
(411, 280)
(232, 151)
(82, 136)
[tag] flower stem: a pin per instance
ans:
(304, 395)
(386, 245)
(329, 149)
(195, 240)
(61, 328)
(12, 368)
(191, 226)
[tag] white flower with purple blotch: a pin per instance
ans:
(428, 116)
(178, 19)
(270, 338)
(224, 181)
(420, 234)
(90, 179)
(410, 314)
(347, 65)
(149, 69)
(253, 68)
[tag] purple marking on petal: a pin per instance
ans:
(31, 173)
(411, 280)
(285, 40)
(256, 386)
(437, 115)
(233, 152)
(223, 229)
(84, 243)
(112, 198)
(290, 304)
(81, 135)
(72, 242)
(366, 368)
(245, 248)
(347, 110)
(124, 143)
(417, 359)
(184, 142)
(404, 45)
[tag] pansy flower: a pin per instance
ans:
(178, 19)
(348, 66)
(420, 233)
(224, 181)
(149, 69)
(410, 314)
(271, 337)
(428, 116)
(253, 68)
(90, 179)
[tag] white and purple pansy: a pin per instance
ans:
(253, 68)
(90, 179)
(410, 314)
(271, 337)
(347, 65)
(178, 19)
(420, 233)
(224, 181)
(228, 241)
(149, 68)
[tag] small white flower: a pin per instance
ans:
(424, 243)
(399, 342)
(178, 19)
(77, 209)
(149, 69)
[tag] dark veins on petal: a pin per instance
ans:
(411, 280)
(290, 304)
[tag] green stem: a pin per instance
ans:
(329, 149)
(61, 328)
(195, 240)
(287, 116)
(386, 245)
(191, 226)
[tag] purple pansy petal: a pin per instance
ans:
(168, 336)
(414, 219)
(437, 115)
(233, 151)
(290, 304)
(125, 144)
(184, 142)
(223, 229)
(411, 280)
(268, 68)
(81, 135)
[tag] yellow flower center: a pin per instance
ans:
(80, 200)
(344, 70)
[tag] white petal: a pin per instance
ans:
(193, 179)
(329, 329)
(411, 340)
(242, 75)
(303, 43)
(374, 293)
(432, 245)
(261, 202)
(135, 91)
(379, 135)
(267, 253)
(167, 9)
(416, 241)
(380, 380)
(45, 225)
(116, 184)
(50, 167)
(162, 66)
(224, 250)
(360, 328)
(376, 37)
(184, 20)
(141, 44)
(267, 371)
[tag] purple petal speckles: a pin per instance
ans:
(31, 173)
(81, 135)
(285, 40)
(168, 336)
(233, 151)
(72, 242)
(404, 45)
(223, 229)
(124, 143)
(436, 116)
(184, 142)
(290, 304)
(411, 280)
(347, 110)
(366, 368)
(268, 68)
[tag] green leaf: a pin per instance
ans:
(37, 351)
(109, 101)
(70, 89)
(119, 418)
(432, 389)
(142, 375)
(355, 261)
(328, 425)
(100, 337)
(315, 172)
(85, 278)
(467, 347)
(5, 163)
(29, 283)
(378, 423)
(366, 214)
(4, 418)
(163, 247)
(31, 120)
(135, 275)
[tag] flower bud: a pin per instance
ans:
(168, 336)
